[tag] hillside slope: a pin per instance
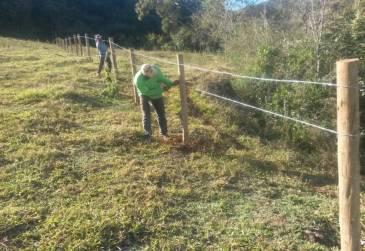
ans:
(75, 173)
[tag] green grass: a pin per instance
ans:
(76, 175)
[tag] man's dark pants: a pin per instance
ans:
(159, 106)
(103, 59)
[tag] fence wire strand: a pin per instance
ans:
(274, 113)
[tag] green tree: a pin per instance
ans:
(358, 29)
(44, 19)
(176, 19)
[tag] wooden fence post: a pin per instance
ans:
(184, 98)
(87, 42)
(113, 55)
(71, 45)
(66, 44)
(76, 45)
(113, 58)
(132, 57)
(80, 44)
(348, 127)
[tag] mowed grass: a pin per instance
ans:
(76, 175)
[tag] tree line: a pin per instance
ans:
(128, 21)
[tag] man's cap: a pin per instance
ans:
(98, 36)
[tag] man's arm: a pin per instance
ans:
(140, 85)
(164, 80)
(161, 78)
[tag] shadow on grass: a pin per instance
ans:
(86, 100)
(3, 161)
(315, 180)
(263, 166)
(202, 141)
(48, 124)
(323, 232)
(17, 229)
(122, 142)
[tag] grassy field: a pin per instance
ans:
(76, 175)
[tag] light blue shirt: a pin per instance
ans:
(102, 48)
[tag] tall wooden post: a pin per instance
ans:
(87, 42)
(348, 127)
(134, 72)
(66, 44)
(71, 45)
(76, 45)
(79, 41)
(184, 98)
(113, 58)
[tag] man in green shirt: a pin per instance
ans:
(150, 84)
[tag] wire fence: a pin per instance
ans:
(141, 58)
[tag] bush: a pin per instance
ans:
(306, 102)
(111, 90)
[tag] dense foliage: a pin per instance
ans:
(45, 19)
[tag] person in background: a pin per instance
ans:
(103, 54)
(150, 84)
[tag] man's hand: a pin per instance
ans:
(176, 82)
(164, 87)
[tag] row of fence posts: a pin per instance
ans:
(348, 127)
(75, 45)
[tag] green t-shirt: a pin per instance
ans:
(151, 87)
